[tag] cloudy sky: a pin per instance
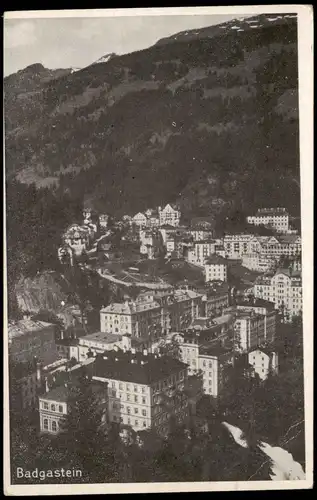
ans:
(77, 42)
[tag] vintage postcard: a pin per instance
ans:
(158, 325)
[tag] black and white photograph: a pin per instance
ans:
(158, 249)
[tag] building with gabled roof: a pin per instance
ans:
(170, 214)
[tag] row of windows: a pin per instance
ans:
(117, 406)
(54, 425)
(52, 407)
(129, 422)
(127, 387)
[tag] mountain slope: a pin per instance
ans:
(209, 122)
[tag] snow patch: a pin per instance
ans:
(283, 465)
(237, 434)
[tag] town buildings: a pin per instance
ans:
(144, 389)
(254, 325)
(25, 384)
(236, 245)
(258, 262)
(54, 405)
(276, 218)
(284, 289)
(199, 233)
(264, 361)
(103, 220)
(206, 357)
(150, 243)
(29, 339)
(151, 315)
(77, 238)
(278, 246)
(139, 220)
(216, 268)
(169, 215)
(216, 299)
(200, 250)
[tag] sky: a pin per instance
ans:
(77, 42)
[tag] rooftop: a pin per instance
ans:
(25, 326)
(216, 259)
(214, 350)
(272, 211)
(136, 367)
(103, 337)
(63, 392)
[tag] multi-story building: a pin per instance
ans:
(25, 383)
(29, 339)
(144, 389)
(208, 357)
(169, 215)
(77, 238)
(216, 299)
(284, 289)
(150, 243)
(236, 245)
(99, 342)
(276, 218)
(152, 315)
(264, 361)
(200, 251)
(139, 219)
(54, 405)
(216, 268)
(275, 247)
(258, 262)
(200, 234)
(103, 220)
(254, 326)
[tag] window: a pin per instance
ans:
(136, 399)
(45, 424)
(129, 421)
(121, 387)
(60, 409)
(143, 390)
(45, 406)
(54, 426)
(144, 401)
(128, 410)
(113, 384)
(144, 413)
(128, 397)
(135, 388)
(128, 387)
(144, 423)
(113, 393)
(136, 410)
(53, 407)
(136, 423)
(122, 407)
(209, 382)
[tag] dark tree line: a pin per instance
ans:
(36, 219)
